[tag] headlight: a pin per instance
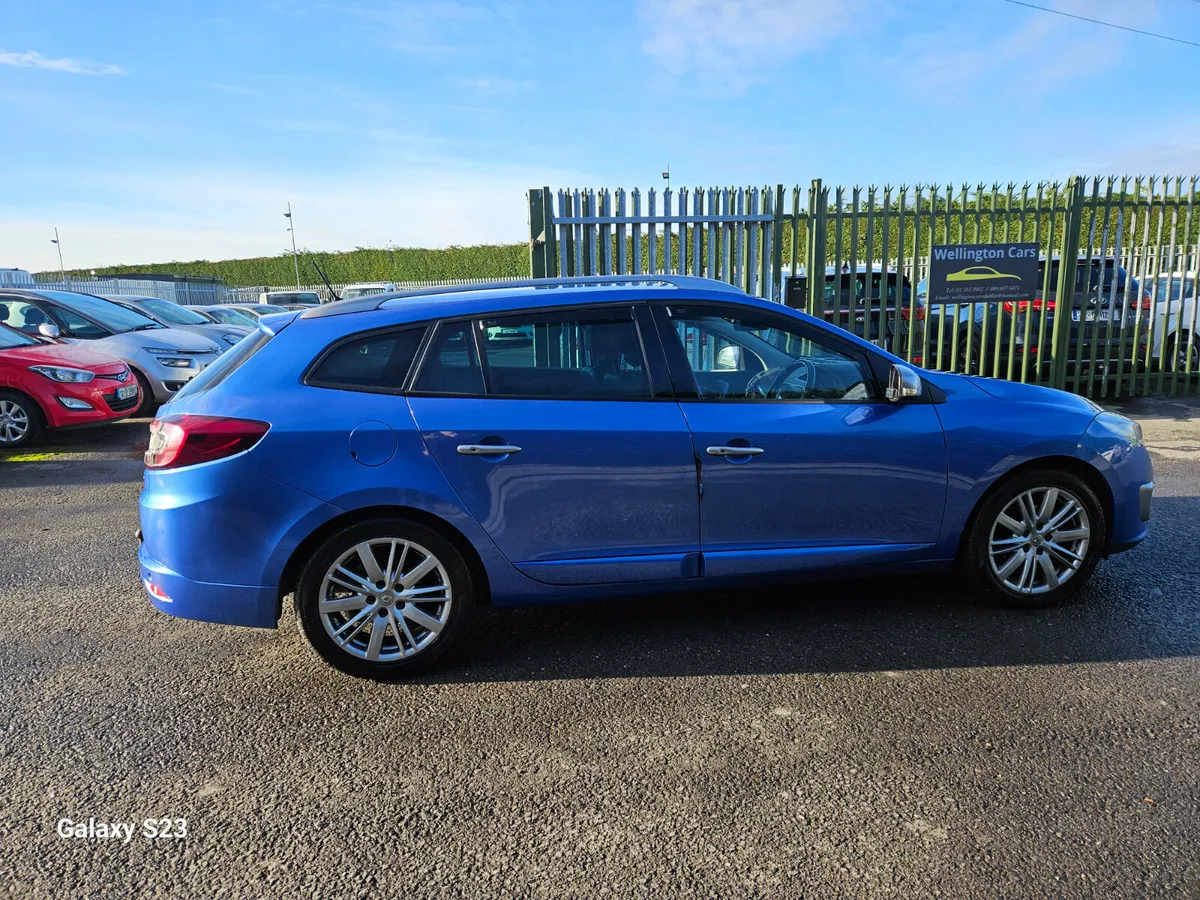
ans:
(1120, 426)
(231, 339)
(175, 362)
(63, 374)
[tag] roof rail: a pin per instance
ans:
(375, 301)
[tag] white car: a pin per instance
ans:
(289, 298)
(1175, 320)
(366, 289)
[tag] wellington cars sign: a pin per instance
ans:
(970, 273)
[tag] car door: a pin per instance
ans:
(564, 442)
(802, 463)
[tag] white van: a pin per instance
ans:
(15, 278)
(366, 289)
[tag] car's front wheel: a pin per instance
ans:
(20, 420)
(1035, 539)
(384, 599)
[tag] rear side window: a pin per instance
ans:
(451, 363)
(375, 362)
(593, 356)
(226, 364)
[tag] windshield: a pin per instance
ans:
(174, 313)
(116, 319)
(10, 338)
(231, 317)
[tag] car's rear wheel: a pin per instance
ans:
(384, 599)
(1035, 540)
(20, 420)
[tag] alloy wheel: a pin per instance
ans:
(1039, 540)
(385, 599)
(14, 422)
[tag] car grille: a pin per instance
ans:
(123, 375)
(120, 405)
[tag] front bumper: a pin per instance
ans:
(100, 394)
(226, 604)
(166, 381)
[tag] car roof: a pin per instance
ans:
(463, 299)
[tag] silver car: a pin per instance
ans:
(171, 314)
(163, 359)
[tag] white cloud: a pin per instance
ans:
(732, 39)
(208, 214)
(35, 60)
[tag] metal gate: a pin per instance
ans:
(1116, 313)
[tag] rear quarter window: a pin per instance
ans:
(373, 362)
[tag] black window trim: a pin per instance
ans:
(687, 389)
(367, 334)
(479, 321)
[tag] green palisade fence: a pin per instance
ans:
(1119, 318)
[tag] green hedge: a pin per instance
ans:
(360, 264)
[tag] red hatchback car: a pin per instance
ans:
(57, 386)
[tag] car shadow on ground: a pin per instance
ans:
(1141, 605)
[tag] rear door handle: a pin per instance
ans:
(734, 451)
(487, 449)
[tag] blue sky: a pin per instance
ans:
(151, 131)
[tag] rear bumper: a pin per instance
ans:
(226, 604)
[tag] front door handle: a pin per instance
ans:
(487, 449)
(734, 451)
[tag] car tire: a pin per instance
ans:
(996, 555)
(961, 363)
(23, 414)
(376, 633)
(146, 402)
(1178, 357)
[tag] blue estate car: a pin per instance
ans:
(393, 461)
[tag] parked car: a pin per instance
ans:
(289, 298)
(252, 311)
(172, 315)
(226, 315)
(366, 289)
(872, 314)
(412, 475)
(1175, 322)
(47, 386)
(1104, 296)
(162, 359)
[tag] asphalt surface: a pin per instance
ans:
(857, 739)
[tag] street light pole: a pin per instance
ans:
(61, 271)
(295, 256)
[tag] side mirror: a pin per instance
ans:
(47, 329)
(903, 383)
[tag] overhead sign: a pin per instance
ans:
(973, 273)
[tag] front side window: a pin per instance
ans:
(745, 358)
(23, 316)
(596, 356)
(11, 338)
(374, 362)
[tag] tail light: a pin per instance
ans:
(186, 440)
(906, 312)
(1022, 306)
(1144, 303)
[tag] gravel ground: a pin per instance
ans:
(856, 739)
